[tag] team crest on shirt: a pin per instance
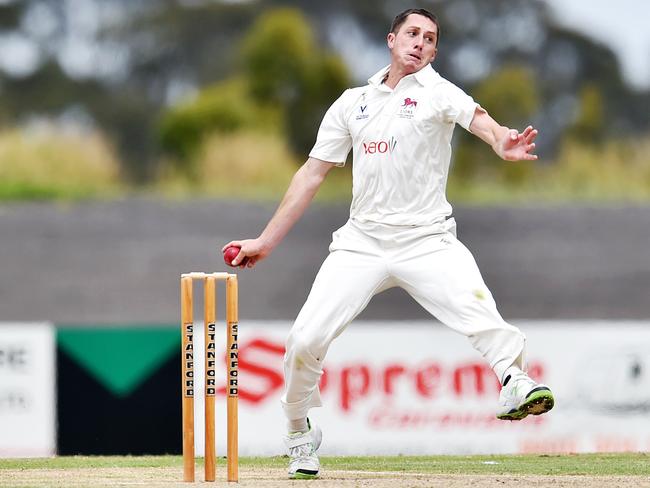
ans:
(362, 112)
(407, 109)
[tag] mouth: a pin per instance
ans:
(414, 57)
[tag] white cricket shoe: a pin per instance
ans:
(522, 397)
(302, 448)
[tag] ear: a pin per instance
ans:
(390, 40)
(435, 53)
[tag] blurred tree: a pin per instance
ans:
(322, 84)
(122, 62)
(511, 97)
(126, 117)
(589, 126)
(285, 68)
(277, 52)
(224, 107)
(286, 82)
(9, 15)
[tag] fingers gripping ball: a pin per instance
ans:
(231, 253)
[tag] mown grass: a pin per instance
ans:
(576, 464)
(624, 464)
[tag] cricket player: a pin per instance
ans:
(400, 231)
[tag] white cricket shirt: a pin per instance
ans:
(401, 141)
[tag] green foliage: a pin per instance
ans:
(511, 98)
(49, 163)
(223, 107)
(322, 84)
(277, 53)
(509, 95)
(590, 124)
(286, 85)
(259, 165)
(285, 68)
(168, 42)
(615, 171)
(246, 164)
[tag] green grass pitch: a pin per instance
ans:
(628, 464)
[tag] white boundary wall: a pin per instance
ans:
(390, 388)
(397, 387)
(27, 390)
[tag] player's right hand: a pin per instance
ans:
(253, 249)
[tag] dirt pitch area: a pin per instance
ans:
(272, 478)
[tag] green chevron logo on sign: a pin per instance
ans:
(119, 358)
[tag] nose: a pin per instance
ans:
(419, 42)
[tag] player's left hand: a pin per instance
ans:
(519, 146)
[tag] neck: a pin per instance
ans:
(394, 75)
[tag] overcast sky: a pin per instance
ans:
(620, 24)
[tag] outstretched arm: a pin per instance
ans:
(304, 185)
(509, 144)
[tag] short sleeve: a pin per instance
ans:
(457, 107)
(334, 141)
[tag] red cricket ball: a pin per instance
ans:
(231, 253)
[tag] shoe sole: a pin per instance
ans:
(303, 476)
(537, 402)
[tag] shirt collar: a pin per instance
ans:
(376, 79)
(426, 76)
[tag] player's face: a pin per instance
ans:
(414, 44)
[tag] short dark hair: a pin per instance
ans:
(401, 18)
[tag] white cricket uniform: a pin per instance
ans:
(399, 233)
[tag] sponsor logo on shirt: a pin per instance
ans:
(362, 113)
(407, 110)
(380, 147)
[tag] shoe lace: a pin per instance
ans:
(519, 383)
(529, 382)
(303, 450)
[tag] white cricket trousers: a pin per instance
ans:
(437, 270)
